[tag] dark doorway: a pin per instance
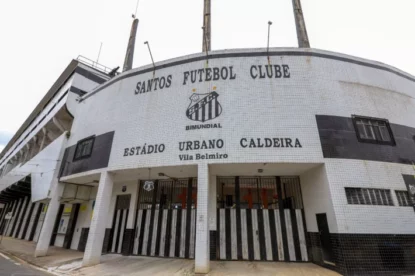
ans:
(56, 226)
(323, 229)
(71, 226)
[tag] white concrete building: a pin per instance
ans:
(294, 154)
(30, 162)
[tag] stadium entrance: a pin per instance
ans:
(259, 218)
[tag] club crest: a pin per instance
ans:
(204, 107)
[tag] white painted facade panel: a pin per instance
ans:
(324, 84)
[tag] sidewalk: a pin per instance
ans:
(68, 262)
(25, 250)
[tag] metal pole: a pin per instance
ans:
(206, 24)
(302, 36)
(269, 27)
(129, 55)
(99, 53)
(152, 60)
(205, 48)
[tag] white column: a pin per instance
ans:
(43, 242)
(133, 205)
(212, 203)
(96, 234)
(202, 264)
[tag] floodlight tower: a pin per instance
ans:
(302, 36)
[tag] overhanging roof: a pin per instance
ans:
(66, 74)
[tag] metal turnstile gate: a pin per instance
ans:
(260, 218)
(119, 223)
(166, 219)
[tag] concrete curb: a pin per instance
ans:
(35, 266)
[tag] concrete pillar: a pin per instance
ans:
(96, 234)
(212, 203)
(202, 264)
(133, 206)
(42, 143)
(43, 242)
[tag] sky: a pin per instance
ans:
(38, 39)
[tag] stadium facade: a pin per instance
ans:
(280, 154)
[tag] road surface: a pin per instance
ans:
(12, 267)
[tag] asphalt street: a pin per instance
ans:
(12, 267)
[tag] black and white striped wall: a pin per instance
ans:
(264, 233)
(25, 222)
(173, 233)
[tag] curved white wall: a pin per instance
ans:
(312, 82)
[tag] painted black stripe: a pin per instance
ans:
(16, 218)
(261, 232)
(126, 235)
(118, 234)
(35, 222)
(111, 238)
(89, 75)
(167, 240)
(178, 233)
(228, 240)
(250, 234)
(71, 226)
(3, 222)
(188, 217)
(282, 220)
(197, 115)
(3, 217)
(307, 238)
(19, 227)
(158, 235)
(296, 237)
(153, 212)
(135, 230)
(77, 91)
(238, 218)
(142, 228)
(56, 226)
(28, 220)
(204, 113)
(2, 213)
(252, 54)
(6, 206)
(216, 107)
(273, 232)
(218, 233)
(209, 110)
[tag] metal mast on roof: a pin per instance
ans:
(129, 55)
(302, 36)
(206, 27)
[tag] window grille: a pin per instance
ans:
(403, 198)
(84, 148)
(366, 196)
(373, 130)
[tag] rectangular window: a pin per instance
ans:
(373, 130)
(366, 196)
(403, 198)
(84, 148)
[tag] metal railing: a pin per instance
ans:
(94, 64)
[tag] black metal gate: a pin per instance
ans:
(166, 218)
(260, 218)
(119, 223)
